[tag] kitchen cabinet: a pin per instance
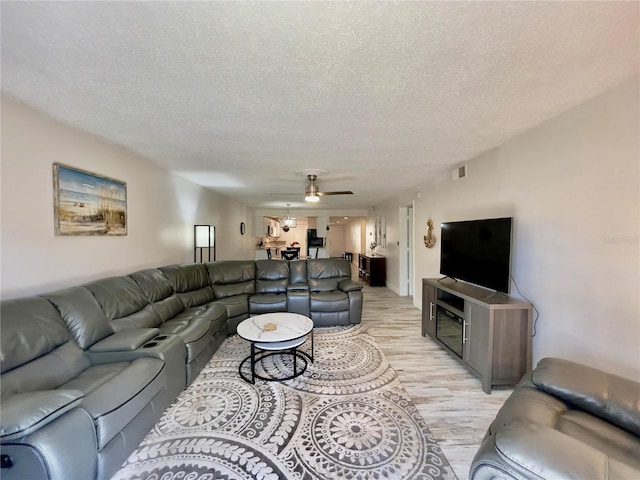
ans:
(267, 227)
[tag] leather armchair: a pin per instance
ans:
(564, 420)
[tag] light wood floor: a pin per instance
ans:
(449, 398)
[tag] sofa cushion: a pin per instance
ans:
(613, 398)
(155, 285)
(236, 305)
(25, 413)
(272, 276)
(269, 299)
(267, 303)
(298, 272)
(159, 291)
(190, 282)
(187, 277)
(82, 314)
(116, 392)
(31, 328)
(325, 274)
(333, 301)
(47, 372)
(231, 278)
(124, 303)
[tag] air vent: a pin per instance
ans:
(460, 172)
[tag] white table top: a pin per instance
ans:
(289, 326)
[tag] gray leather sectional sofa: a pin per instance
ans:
(564, 421)
(87, 371)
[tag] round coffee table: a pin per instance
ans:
(277, 333)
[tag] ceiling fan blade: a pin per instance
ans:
(345, 192)
(298, 194)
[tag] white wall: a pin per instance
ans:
(391, 213)
(572, 186)
(337, 240)
(162, 209)
(354, 238)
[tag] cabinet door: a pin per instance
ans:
(428, 310)
(475, 347)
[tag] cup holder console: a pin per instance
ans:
(155, 341)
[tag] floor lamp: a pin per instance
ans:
(204, 236)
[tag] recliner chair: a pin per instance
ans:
(333, 297)
(233, 281)
(53, 391)
(272, 279)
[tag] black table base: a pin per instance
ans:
(256, 357)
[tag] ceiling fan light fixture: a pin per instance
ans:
(312, 190)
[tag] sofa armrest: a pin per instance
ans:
(125, 340)
(349, 285)
(524, 449)
(610, 397)
(25, 413)
(298, 287)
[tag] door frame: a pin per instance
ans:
(407, 250)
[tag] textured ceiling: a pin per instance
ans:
(236, 96)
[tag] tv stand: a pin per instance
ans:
(497, 328)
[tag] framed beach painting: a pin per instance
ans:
(88, 204)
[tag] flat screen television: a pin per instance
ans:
(477, 251)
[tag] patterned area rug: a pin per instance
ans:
(348, 416)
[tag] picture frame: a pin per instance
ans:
(88, 204)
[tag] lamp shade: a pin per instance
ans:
(204, 236)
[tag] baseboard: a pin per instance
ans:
(394, 288)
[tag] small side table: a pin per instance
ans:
(276, 334)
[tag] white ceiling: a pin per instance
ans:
(236, 96)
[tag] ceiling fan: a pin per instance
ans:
(312, 191)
